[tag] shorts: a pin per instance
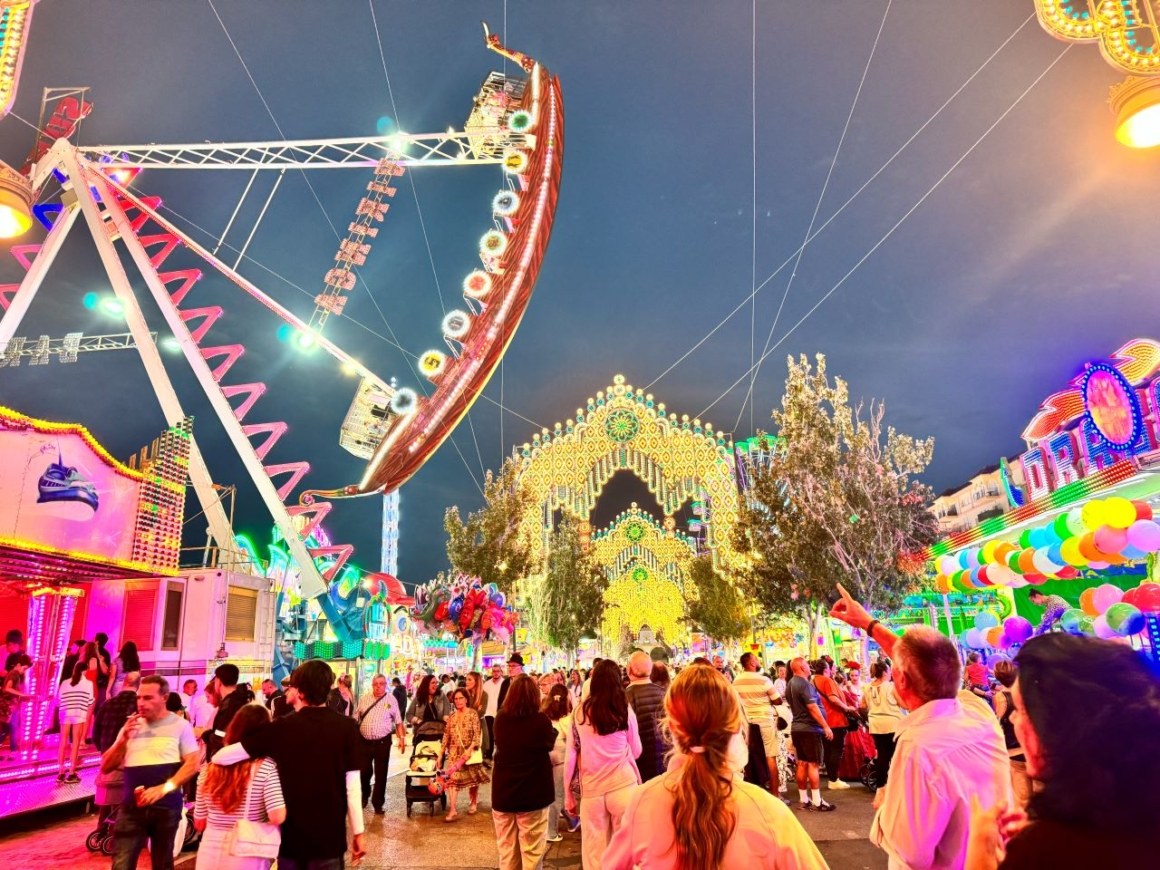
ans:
(768, 738)
(807, 746)
(71, 718)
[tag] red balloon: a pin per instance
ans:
(1130, 597)
(1035, 579)
(1067, 572)
(1148, 597)
(1143, 510)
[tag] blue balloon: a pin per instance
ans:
(963, 563)
(1055, 554)
(985, 619)
(1131, 553)
(454, 608)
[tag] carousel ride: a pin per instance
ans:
(516, 122)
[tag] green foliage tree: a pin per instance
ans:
(836, 502)
(719, 609)
(492, 544)
(571, 597)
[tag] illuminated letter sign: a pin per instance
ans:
(1035, 474)
(1060, 450)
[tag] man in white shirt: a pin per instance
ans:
(492, 688)
(948, 750)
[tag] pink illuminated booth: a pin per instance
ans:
(72, 516)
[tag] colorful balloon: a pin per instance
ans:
(1124, 619)
(1075, 521)
(1105, 596)
(1119, 513)
(1069, 550)
(1017, 629)
(1088, 548)
(1110, 540)
(1144, 535)
(1043, 564)
(1086, 604)
(1071, 619)
(992, 635)
(974, 639)
(1093, 514)
(1005, 642)
(1102, 629)
(985, 619)
(1147, 597)
(1027, 562)
(1143, 510)
(1034, 579)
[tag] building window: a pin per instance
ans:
(140, 609)
(171, 625)
(241, 614)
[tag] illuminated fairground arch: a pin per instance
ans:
(678, 459)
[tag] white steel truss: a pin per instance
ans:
(41, 350)
(453, 148)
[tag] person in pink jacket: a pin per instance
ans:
(603, 744)
(700, 814)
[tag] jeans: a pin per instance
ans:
(376, 755)
(556, 811)
(14, 726)
(520, 838)
(489, 748)
(315, 864)
(884, 744)
(134, 826)
(835, 747)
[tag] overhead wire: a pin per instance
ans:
(846, 204)
(897, 224)
(333, 229)
(418, 208)
(756, 370)
(753, 256)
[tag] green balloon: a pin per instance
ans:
(1013, 561)
(1061, 528)
(1087, 625)
(1025, 539)
(1071, 620)
(1124, 619)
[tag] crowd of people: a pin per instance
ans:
(1047, 759)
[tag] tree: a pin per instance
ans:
(836, 502)
(719, 609)
(571, 597)
(493, 543)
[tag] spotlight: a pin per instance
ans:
(90, 300)
(1136, 102)
(15, 203)
(112, 306)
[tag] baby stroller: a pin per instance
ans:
(101, 840)
(424, 765)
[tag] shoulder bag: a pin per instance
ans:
(254, 839)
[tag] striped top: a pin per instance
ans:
(75, 700)
(265, 794)
(377, 718)
(756, 691)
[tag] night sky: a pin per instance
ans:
(1035, 254)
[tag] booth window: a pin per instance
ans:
(171, 626)
(241, 614)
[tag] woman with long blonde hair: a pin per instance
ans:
(701, 815)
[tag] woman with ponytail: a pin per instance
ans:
(701, 815)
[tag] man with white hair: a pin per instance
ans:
(948, 750)
(647, 700)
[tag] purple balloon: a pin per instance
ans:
(1017, 629)
(1005, 642)
(1102, 629)
(1144, 535)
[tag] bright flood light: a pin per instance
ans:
(1136, 103)
(112, 306)
(15, 203)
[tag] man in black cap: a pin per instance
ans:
(230, 700)
(515, 667)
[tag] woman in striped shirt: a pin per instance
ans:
(224, 793)
(75, 697)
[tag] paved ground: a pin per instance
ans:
(55, 840)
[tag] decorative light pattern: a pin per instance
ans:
(515, 162)
(15, 19)
(521, 121)
(632, 604)
(635, 538)
(432, 363)
(456, 324)
(477, 285)
(1111, 406)
(404, 401)
(11, 419)
(678, 460)
(1128, 35)
(505, 204)
(1081, 490)
(493, 243)
(622, 426)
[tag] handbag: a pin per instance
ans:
(254, 839)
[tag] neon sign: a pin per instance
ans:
(1109, 413)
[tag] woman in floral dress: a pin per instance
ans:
(463, 737)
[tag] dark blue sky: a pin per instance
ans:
(1038, 252)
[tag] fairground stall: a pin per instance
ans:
(1081, 525)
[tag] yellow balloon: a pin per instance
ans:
(1093, 514)
(1071, 554)
(1119, 512)
(989, 548)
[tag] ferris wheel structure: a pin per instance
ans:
(516, 122)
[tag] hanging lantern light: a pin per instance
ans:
(456, 324)
(477, 284)
(404, 401)
(493, 243)
(515, 162)
(432, 363)
(505, 204)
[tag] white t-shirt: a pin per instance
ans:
(755, 690)
(492, 688)
(201, 711)
(883, 709)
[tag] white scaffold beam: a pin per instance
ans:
(454, 148)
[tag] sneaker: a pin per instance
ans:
(838, 785)
(803, 806)
(823, 807)
(574, 826)
(555, 839)
(72, 779)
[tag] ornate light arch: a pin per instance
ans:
(624, 429)
(635, 538)
(640, 596)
